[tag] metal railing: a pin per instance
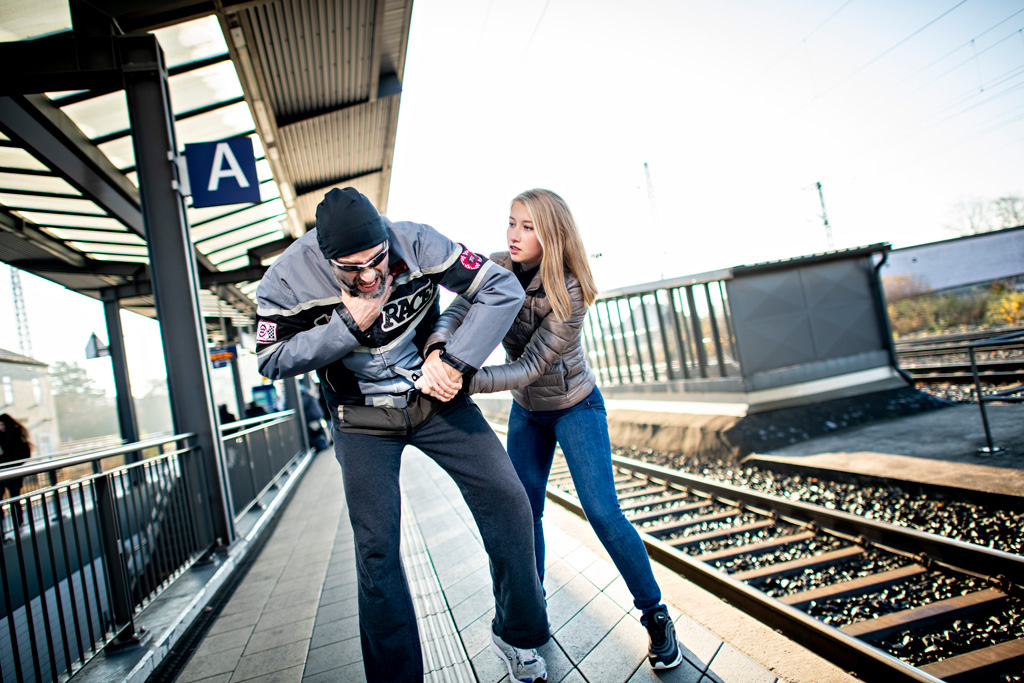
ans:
(669, 331)
(1010, 395)
(256, 451)
(84, 555)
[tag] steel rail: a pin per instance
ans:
(840, 648)
(975, 559)
(846, 652)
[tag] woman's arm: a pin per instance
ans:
(546, 346)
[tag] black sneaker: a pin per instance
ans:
(664, 652)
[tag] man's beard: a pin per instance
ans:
(353, 287)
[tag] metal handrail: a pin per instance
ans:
(1006, 395)
(248, 423)
(72, 460)
(84, 556)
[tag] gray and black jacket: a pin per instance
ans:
(547, 367)
(303, 326)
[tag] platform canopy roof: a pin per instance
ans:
(315, 83)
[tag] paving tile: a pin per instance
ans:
(329, 596)
(589, 627)
(288, 599)
(557, 574)
(580, 558)
(470, 609)
(558, 663)
(341, 579)
(281, 635)
(732, 666)
(699, 645)
(342, 629)
(333, 656)
(219, 678)
(573, 677)
(684, 673)
(488, 667)
(460, 570)
(287, 615)
(476, 637)
(468, 586)
(270, 661)
(234, 621)
(618, 591)
(221, 662)
(601, 573)
(617, 656)
(352, 673)
(290, 675)
(337, 610)
(569, 600)
(220, 642)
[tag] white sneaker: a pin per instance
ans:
(523, 665)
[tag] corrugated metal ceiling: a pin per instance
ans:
(315, 83)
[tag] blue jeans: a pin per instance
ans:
(459, 440)
(582, 432)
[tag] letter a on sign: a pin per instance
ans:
(222, 172)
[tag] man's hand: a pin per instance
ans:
(365, 311)
(439, 379)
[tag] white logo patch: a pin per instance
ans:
(266, 332)
(399, 311)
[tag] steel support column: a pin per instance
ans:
(173, 266)
(119, 362)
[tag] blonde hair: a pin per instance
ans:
(563, 249)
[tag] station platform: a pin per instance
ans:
(294, 617)
(936, 448)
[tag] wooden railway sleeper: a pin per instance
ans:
(926, 615)
(796, 566)
(679, 525)
(983, 664)
(858, 586)
(718, 534)
(655, 514)
(754, 548)
(636, 505)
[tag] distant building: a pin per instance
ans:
(974, 260)
(26, 395)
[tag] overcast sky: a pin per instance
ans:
(901, 110)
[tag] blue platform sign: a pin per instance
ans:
(222, 172)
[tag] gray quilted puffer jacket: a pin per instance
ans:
(546, 366)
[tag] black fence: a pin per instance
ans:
(668, 332)
(95, 538)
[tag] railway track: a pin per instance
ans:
(944, 359)
(798, 567)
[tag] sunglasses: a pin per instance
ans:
(358, 268)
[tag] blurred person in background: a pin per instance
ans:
(15, 446)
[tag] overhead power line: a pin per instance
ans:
(881, 55)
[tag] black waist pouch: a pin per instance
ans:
(385, 421)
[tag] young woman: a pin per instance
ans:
(555, 394)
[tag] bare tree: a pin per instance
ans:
(1009, 211)
(971, 217)
(975, 216)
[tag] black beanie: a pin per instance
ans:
(347, 223)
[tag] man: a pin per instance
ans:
(355, 300)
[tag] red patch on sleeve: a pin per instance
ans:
(398, 268)
(471, 261)
(266, 332)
